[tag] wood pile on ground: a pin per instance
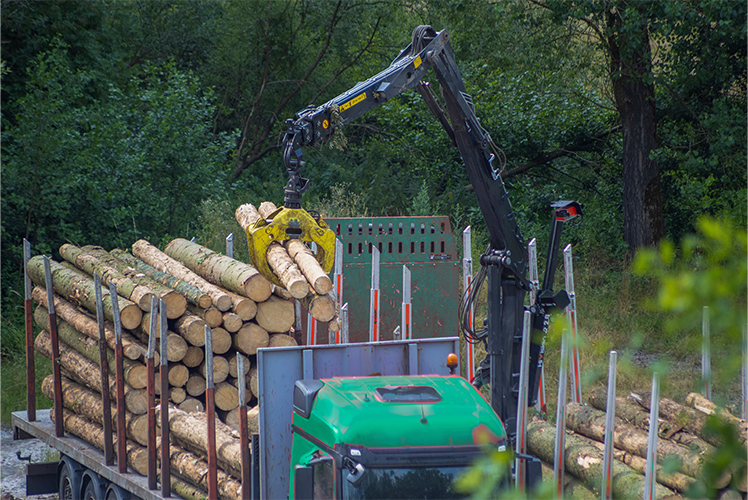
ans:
(684, 443)
(199, 287)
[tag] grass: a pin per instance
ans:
(13, 381)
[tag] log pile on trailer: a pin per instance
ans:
(200, 289)
(683, 445)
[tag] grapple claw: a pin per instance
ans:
(285, 224)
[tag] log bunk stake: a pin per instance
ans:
(104, 369)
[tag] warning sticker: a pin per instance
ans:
(353, 101)
(417, 62)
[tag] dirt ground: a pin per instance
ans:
(12, 469)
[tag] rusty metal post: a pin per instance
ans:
(165, 446)
(28, 315)
(210, 413)
(104, 371)
(119, 375)
(151, 390)
(59, 430)
(243, 430)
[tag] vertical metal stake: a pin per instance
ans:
(28, 315)
(650, 474)
(606, 492)
(406, 314)
(59, 430)
(104, 370)
(571, 315)
(230, 245)
(532, 259)
(311, 330)
(467, 276)
(524, 375)
(119, 376)
(559, 465)
(210, 413)
(338, 273)
(706, 360)
(744, 380)
(165, 446)
(151, 394)
(344, 323)
(244, 430)
(374, 335)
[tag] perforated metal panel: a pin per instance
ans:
(427, 246)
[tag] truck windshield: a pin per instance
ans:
(402, 483)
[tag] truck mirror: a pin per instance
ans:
(303, 483)
(356, 474)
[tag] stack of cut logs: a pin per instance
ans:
(198, 287)
(684, 443)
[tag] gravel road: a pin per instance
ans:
(12, 469)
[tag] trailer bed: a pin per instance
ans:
(81, 452)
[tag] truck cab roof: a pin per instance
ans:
(396, 411)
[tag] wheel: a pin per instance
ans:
(114, 492)
(90, 492)
(69, 486)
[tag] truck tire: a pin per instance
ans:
(95, 486)
(70, 480)
(114, 492)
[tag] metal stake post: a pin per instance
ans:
(467, 276)
(610, 412)
(210, 413)
(344, 323)
(230, 245)
(744, 380)
(524, 375)
(406, 314)
(311, 330)
(338, 273)
(28, 315)
(706, 361)
(374, 296)
(119, 376)
(165, 446)
(650, 474)
(571, 315)
(244, 431)
(558, 463)
(59, 430)
(151, 394)
(104, 369)
(532, 259)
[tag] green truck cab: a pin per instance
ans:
(403, 436)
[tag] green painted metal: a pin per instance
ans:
(347, 411)
(427, 246)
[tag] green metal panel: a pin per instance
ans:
(427, 246)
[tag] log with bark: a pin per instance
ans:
(212, 316)
(176, 303)
(231, 322)
(79, 289)
(192, 405)
(177, 394)
(591, 423)
(226, 396)
(221, 270)
(193, 357)
(176, 346)
(245, 307)
(195, 470)
(221, 341)
(220, 369)
(275, 315)
(141, 295)
(193, 294)
(253, 419)
(321, 307)
(131, 348)
(287, 272)
(84, 371)
(195, 385)
(233, 365)
(158, 259)
(585, 462)
(702, 404)
(573, 487)
(134, 372)
(189, 326)
(281, 340)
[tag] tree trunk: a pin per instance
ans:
(176, 303)
(321, 307)
(87, 373)
(192, 293)
(586, 462)
(193, 357)
(573, 487)
(226, 396)
(281, 340)
(191, 328)
(88, 326)
(190, 431)
(631, 60)
(591, 423)
(232, 322)
(178, 375)
(156, 258)
(246, 308)
(212, 316)
(79, 289)
(87, 403)
(192, 405)
(233, 366)
(177, 395)
(275, 315)
(219, 269)
(195, 471)
(220, 369)
(250, 338)
(253, 419)
(700, 403)
(221, 341)
(126, 287)
(287, 272)
(195, 385)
